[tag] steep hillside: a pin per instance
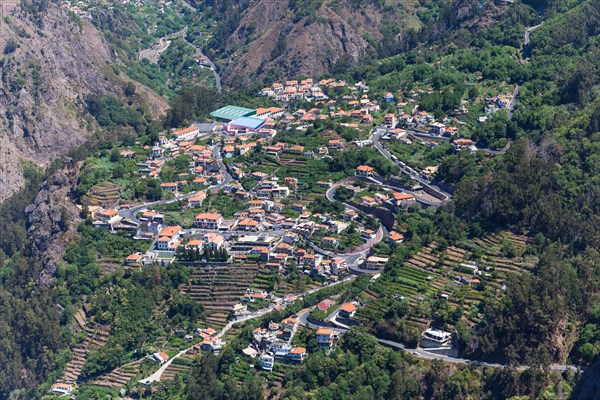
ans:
(51, 62)
(286, 38)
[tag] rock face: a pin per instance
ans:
(281, 36)
(277, 39)
(53, 218)
(49, 63)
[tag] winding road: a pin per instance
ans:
(425, 354)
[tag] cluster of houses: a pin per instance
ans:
(294, 90)
(273, 344)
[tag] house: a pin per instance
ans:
(186, 134)
(368, 201)
(325, 304)
(374, 262)
(347, 310)
(157, 151)
(298, 207)
(106, 215)
(195, 244)
(388, 97)
(135, 258)
(238, 309)
(437, 128)
(365, 171)
(338, 264)
(212, 345)
(62, 388)
(127, 153)
(208, 221)
(329, 241)
(168, 238)
(461, 144)
(196, 200)
(389, 120)
(402, 199)
(325, 338)
(229, 151)
(297, 354)
(335, 144)
(280, 349)
(160, 357)
(435, 338)
(291, 182)
(396, 237)
(248, 224)
(266, 362)
(213, 241)
(169, 186)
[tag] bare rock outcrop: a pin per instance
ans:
(53, 218)
(51, 62)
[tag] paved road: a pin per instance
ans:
(428, 355)
(528, 33)
(527, 40)
(212, 65)
(376, 135)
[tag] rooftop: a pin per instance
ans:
(229, 113)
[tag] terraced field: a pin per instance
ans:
(103, 194)
(433, 272)
(96, 337)
(217, 288)
(178, 366)
(119, 377)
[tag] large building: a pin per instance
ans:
(229, 113)
(244, 125)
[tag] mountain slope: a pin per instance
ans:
(289, 37)
(51, 62)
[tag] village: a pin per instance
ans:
(233, 191)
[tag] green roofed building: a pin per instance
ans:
(229, 113)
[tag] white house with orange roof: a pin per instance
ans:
(297, 354)
(365, 171)
(213, 241)
(208, 221)
(347, 310)
(168, 238)
(186, 134)
(325, 338)
(197, 199)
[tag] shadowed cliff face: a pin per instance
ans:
(49, 64)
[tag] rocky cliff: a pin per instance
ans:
(50, 62)
(310, 38)
(53, 217)
(275, 35)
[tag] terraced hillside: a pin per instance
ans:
(434, 272)
(178, 366)
(103, 194)
(217, 288)
(119, 377)
(96, 336)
